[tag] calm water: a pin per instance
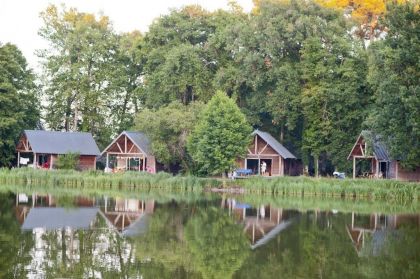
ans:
(47, 236)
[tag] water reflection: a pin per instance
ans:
(84, 238)
(48, 236)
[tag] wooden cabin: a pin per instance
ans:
(40, 149)
(130, 151)
(370, 147)
(266, 149)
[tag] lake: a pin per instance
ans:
(56, 235)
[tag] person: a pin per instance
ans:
(263, 167)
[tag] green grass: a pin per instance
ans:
(101, 180)
(327, 187)
(277, 187)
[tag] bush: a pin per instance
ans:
(67, 161)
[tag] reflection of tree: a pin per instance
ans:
(311, 248)
(163, 247)
(218, 246)
(399, 255)
(14, 246)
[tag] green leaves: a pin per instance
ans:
(221, 135)
(19, 107)
(396, 114)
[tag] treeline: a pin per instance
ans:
(311, 75)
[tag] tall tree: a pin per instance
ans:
(77, 67)
(168, 129)
(367, 13)
(19, 106)
(221, 135)
(395, 78)
(334, 71)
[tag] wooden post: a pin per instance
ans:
(18, 159)
(246, 163)
(35, 163)
(259, 165)
(280, 165)
(144, 163)
(396, 170)
(354, 167)
(51, 161)
(377, 168)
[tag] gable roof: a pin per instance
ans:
(380, 151)
(52, 142)
(52, 218)
(138, 138)
(277, 146)
(141, 140)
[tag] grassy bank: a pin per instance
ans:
(383, 189)
(276, 187)
(100, 180)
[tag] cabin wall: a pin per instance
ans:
(87, 162)
(151, 164)
(408, 175)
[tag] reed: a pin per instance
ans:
(100, 180)
(327, 187)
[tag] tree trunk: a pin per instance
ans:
(316, 160)
(282, 133)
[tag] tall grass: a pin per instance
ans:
(100, 180)
(326, 187)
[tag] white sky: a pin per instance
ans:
(19, 19)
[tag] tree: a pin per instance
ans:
(19, 107)
(334, 71)
(91, 74)
(394, 76)
(367, 13)
(221, 135)
(168, 129)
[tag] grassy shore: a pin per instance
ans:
(101, 180)
(383, 189)
(277, 187)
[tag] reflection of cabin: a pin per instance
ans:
(127, 216)
(130, 151)
(45, 146)
(261, 224)
(375, 228)
(266, 149)
(370, 147)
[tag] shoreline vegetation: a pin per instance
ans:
(360, 189)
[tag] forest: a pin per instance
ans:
(314, 74)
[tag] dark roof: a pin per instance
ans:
(51, 142)
(277, 146)
(141, 140)
(52, 218)
(379, 148)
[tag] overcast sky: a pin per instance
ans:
(19, 19)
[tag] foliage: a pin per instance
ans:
(90, 73)
(396, 114)
(367, 13)
(168, 129)
(334, 71)
(217, 245)
(220, 136)
(19, 106)
(67, 161)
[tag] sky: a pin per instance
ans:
(20, 22)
